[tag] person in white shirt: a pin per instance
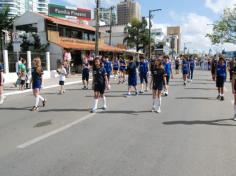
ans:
(62, 77)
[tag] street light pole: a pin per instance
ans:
(149, 33)
(111, 20)
(97, 28)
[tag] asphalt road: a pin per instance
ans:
(193, 136)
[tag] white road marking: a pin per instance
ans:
(54, 132)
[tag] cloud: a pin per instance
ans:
(217, 6)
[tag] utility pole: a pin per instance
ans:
(97, 28)
(150, 26)
(111, 23)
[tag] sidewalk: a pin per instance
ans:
(10, 89)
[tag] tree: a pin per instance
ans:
(137, 34)
(6, 22)
(224, 30)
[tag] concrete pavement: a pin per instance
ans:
(192, 136)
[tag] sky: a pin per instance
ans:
(192, 15)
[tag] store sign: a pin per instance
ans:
(64, 12)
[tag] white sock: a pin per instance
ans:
(41, 98)
(1, 98)
(154, 102)
(36, 101)
(104, 101)
(95, 104)
(159, 102)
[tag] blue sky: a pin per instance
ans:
(192, 15)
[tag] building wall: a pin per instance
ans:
(127, 10)
(175, 31)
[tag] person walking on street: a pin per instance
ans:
(1, 83)
(62, 77)
(233, 83)
(213, 68)
(185, 69)
(85, 73)
(22, 74)
(221, 70)
(158, 80)
(168, 72)
(108, 67)
(122, 70)
(116, 66)
(192, 67)
(100, 83)
(143, 73)
(132, 76)
(37, 78)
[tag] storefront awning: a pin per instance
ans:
(89, 47)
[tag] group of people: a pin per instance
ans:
(154, 74)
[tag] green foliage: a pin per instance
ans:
(137, 34)
(224, 30)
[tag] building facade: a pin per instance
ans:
(174, 35)
(127, 10)
(19, 7)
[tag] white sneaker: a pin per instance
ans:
(153, 109)
(1, 102)
(159, 110)
(104, 107)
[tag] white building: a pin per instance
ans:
(19, 7)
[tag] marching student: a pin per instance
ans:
(143, 73)
(62, 77)
(213, 68)
(85, 73)
(115, 68)
(233, 82)
(132, 76)
(168, 72)
(221, 70)
(100, 83)
(37, 78)
(122, 70)
(1, 83)
(177, 63)
(185, 69)
(192, 67)
(108, 67)
(158, 81)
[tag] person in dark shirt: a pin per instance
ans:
(1, 83)
(132, 76)
(115, 68)
(108, 67)
(221, 71)
(192, 67)
(122, 65)
(233, 82)
(85, 73)
(158, 81)
(168, 70)
(185, 69)
(213, 68)
(143, 73)
(37, 77)
(100, 83)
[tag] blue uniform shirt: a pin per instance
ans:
(131, 69)
(122, 65)
(167, 66)
(192, 63)
(116, 65)
(108, 66)
(185, 66)
(221, 70)
(143, 68)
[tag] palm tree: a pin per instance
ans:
(137, 34)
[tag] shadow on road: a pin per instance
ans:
(65, 110)
(201, 122)
(195, 98)
(124, 112)
(198, 88)
(17, 109)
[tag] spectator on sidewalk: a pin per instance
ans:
(85, 73)
(1, 83)
(67, 60)
(22, 74)
(18, 65)
(62, 72)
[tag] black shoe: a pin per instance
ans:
(222, 98)
(218, 97)
(44, 102)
